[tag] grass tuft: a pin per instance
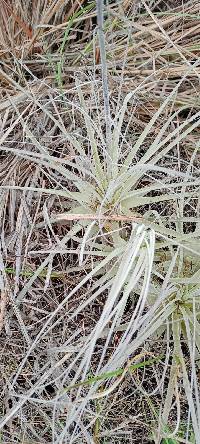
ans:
(99, 222)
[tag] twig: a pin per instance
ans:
(3, 302)
(115, 217)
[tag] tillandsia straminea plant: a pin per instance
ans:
(135, 224)
(181, 331)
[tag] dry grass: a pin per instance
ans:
(53, 289)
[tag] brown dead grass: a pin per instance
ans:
(148, 51)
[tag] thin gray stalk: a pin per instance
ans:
(100, 20)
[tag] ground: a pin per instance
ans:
(99, 222)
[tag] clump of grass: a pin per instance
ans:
(115, 213)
